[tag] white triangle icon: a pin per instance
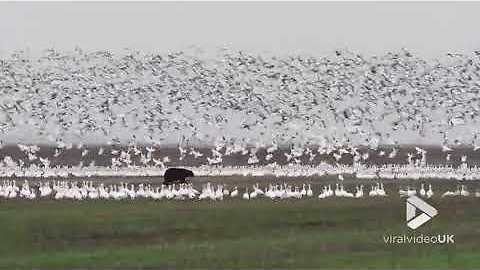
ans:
(427, 212)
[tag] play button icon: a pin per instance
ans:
(426, 212)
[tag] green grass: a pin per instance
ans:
(231, 234)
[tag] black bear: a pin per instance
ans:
(176, 175)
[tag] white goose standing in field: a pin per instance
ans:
(341, 192)
(324, 193)
(219, 193)
(103, 193)
(253, 195)
(359, 192)
(393, 154)
(373, 191)
(156, 194)
(380, 190)
(258, 190)
(12, 190)
(45, 189)
(192, 192)
(234, 193)
(304, 191)
(226, 192)
(26, 192)
(430, 191)
(327, 192)
(347, 194)
(93, 194)
(338, 191)
(423, 192)
(270, 191)
(309, 191)
(246, 195)
(464, 192)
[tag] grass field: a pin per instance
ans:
(337, 233)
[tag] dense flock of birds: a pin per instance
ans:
(86, 190)
(148, 161)
(237, 103)
(237, 98)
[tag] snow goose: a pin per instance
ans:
(430, 191)
(423, 193)
(373, 191)
(234, 193)
(359, 193)
(464, 192)
(246, 195)
(380, 190)
(451, 193)
(309, 191)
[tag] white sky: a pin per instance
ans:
(426, 28)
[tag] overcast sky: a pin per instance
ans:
(428, 29)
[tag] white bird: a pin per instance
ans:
(359, 192)
(325, 193)
(408, 192)
(446, 148)
(309, 191)
(380, 190)
(393, 154)
(423, 193)
(451, 193)
(430, 191)
(246, 195)
(373, 191)
(234, 193)
(464, 192)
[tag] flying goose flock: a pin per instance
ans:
(411, 169)
(239, 103)
(86, 190)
